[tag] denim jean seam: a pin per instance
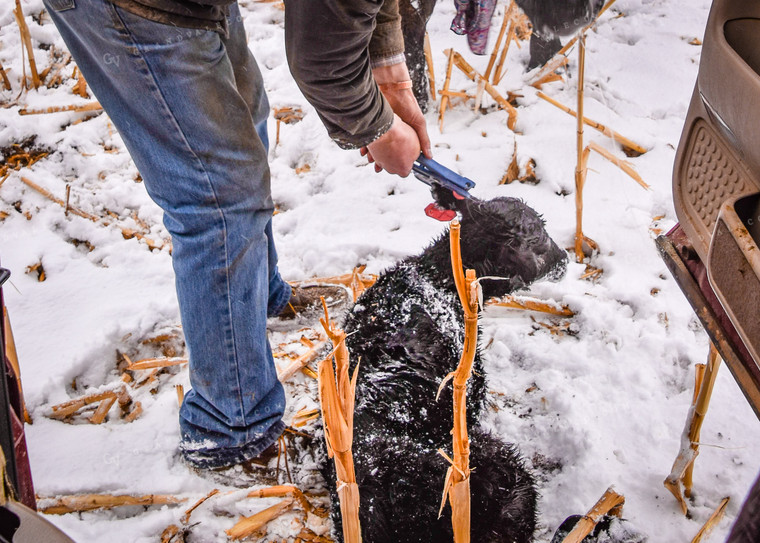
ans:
(229, 330)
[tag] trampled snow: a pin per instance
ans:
(593, 401)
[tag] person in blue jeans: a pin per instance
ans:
(179, 83)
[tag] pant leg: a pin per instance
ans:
(247, 80)
(173, 95)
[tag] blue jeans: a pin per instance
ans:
(191, 109)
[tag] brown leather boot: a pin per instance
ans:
(308, 297)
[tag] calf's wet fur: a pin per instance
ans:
(407, 331)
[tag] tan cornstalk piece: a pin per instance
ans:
(246, 526)
(497, 45)
(66, 409)
(337, 394)
(304, 416)
(290, 491)
(619, 162)
(180, 394)
(610, 501)
(307, 535)
(627, 144)
(287, 115)
(26, 38)
(136, 412)
(497, 75)
(446, 83)
(712, 522)
(517, 302)
(161, 362)
(4, 77)
(80, 88)
(186, 517)
(430, 68)
(47, 194)
(55, 71)
(103, 408)
(89, 502)
(10, 352)
(126, 232)
(545, 74)
(474, 76)
(306, 370)
(91, 106)
(148, 379)
(169, 533)
(299, 363)
(457, 485)
(582, 155)
(548, 78)
(683, 467)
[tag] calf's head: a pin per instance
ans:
(505, 238)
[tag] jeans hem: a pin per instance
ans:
(230, 456)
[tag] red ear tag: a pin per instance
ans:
(434, 211)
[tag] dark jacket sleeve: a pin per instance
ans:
(327, 45)
(387, 39)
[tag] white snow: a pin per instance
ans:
(603, 404)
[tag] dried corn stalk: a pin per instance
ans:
(548, 72)
(26, 38)
(457, 484)
(620, 163)
(186, 517)
(582, 155)
(249, 525)
(289, 491)
(81, 108)
(513, 171)
(287, 115)
(127, 233)
(610, 502)
(161, 362)
(712, 522)
(105, 400)
(89, 502)
(528, 304)
(299, 363)
(4, 79)
(630, 148)
(337, 396)
(494, 53)
(475, 76)
(67, 409)
(581, 167)
(444, 92)
(683, 467)
(497, 75)
(429, 63)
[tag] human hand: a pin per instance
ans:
(395, 84)
(396, 150)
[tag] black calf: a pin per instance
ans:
(407, 331)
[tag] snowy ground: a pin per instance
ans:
(601, 404)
